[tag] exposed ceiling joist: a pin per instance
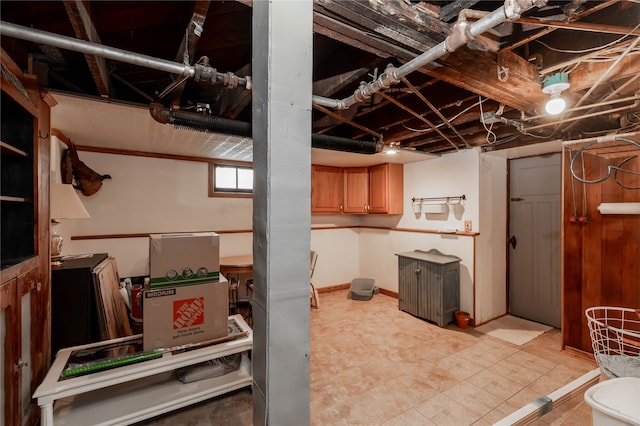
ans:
(542, 33)
(85, 30)
(451, 10)
(189, 44)
(580, 26)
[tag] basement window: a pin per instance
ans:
(230, 179)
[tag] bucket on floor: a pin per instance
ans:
(614, 402)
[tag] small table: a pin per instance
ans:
(237, 266)
(135, 392)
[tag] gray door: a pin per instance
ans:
(534, 238)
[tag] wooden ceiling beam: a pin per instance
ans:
(359, 16)
(588, 73)
(85, 30)
(393, 14)
(579, 26)
(452, 9)
(477, 72)
(189, 44)
(541, 33)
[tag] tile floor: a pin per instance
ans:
(372, 364)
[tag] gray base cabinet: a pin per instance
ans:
(429, 285)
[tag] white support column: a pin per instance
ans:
(282, 79)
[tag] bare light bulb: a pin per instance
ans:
(555, 105)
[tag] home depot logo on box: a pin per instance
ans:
(188, 312)
(185, 314)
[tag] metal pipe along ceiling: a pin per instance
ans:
(463, 32)
(203, 72)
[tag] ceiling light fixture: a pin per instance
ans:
(393, 148)
(554, 85)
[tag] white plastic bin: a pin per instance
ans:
(615, 402)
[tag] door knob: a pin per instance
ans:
(513, 241)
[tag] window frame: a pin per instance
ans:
(228, 194)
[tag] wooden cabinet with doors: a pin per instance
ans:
(24, 277)
(386, 188)
(326, 189)
(357, 190)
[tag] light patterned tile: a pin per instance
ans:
(517, 372)
(473, 398)
(443, 410)
(409, 418)
(496, 384)
(530, 361)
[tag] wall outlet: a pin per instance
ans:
(467, 226)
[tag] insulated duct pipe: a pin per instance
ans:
(463, 32)
(207, 123)
(201, 72)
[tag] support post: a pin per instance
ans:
(282, 77)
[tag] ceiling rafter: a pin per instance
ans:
(189, 44)
(579, 26)
(542, 33)
(85, 30)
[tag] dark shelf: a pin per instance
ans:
(17, 189)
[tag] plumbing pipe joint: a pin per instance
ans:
(230, 80)
(203, 72)
(459, 35)
(514, 8)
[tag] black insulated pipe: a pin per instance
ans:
(336, 143)
(207, 123)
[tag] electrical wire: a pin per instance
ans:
(615, 174)
(609, 168)
(592, 49)
(441, 124)
(491, 137)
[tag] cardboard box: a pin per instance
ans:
(177, 259)
(184, 314)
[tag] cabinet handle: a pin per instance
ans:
(417, 270)
(341, 209)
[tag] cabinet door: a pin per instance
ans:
(356, 190)
(326, 189)
(10, 352)
(30, 334)
(408, 285)
(386, 188)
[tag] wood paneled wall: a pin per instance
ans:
(601, 255)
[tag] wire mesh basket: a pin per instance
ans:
(615, 338)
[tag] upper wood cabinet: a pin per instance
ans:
(386, 185)
(326, 189)
(357, 190)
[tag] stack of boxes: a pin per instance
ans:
(188, 299)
